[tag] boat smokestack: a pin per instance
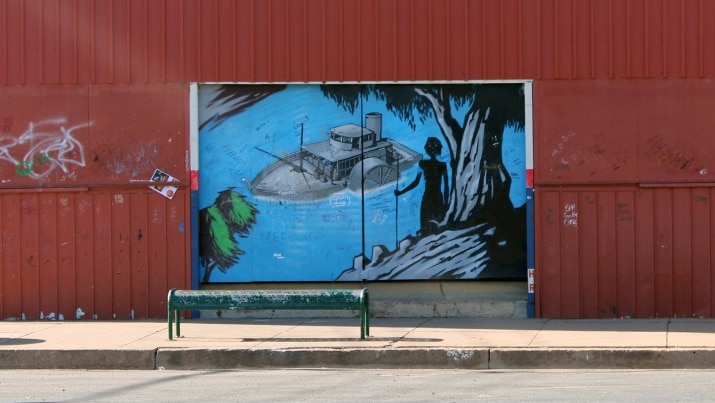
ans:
(373, 121)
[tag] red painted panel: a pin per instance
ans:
(619, 38)
(439, 45)
(648, 257)
(421, 27)
(530, 25)
(663, 208)
(129, 143)
(493, 36)
(141, 41)
(607, 269)
(682, 252)
(384, 33)
(564, 41)
(582, 39)
(706, 35)
(701, 221)
(585, 132)
(588, 254)
(29, 264)
(645, 254)
(31, 39)
(66, 256)
(569, 259)
(655, 39)
(48, 232)
(70, 255)
(191, 43)
(85, 40)
(158, 250)
(456, 44)
(174, 45)
(120, 41)
(261, 54)
(591, 131)
(673, 38)
(625, 253)
(68, 43)
(139, 238)
(299, 56)
(670, 150)
(121, 252)
(11, 257)
(547, 36)
(84, 216)
(548, 254)
(103, 293)
(156, 37)
(2, 255)
(101, 48)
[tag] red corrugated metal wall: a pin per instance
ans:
(626, 252)
(82, 234)
(62, 43)
(624, 198)
(102, 254)
(141, 41)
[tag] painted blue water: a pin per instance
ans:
(317, 240)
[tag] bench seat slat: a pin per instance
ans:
(343, 299)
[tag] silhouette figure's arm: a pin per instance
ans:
(410, 186)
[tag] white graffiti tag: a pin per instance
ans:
(49, 145)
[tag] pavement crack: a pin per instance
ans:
(409, 332)
(538, 332)
(667, 333)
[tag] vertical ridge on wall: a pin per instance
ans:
(66, 255)
(29, 263)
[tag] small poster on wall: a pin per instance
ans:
(167, 191)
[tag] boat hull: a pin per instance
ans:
(293, 178)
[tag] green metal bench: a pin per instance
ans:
(182, 300)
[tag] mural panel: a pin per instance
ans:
(362, 182)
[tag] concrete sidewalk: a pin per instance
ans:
(334, 342)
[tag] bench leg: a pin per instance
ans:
(169, 321)
(364, 320)
(174, 316)
(178, 323)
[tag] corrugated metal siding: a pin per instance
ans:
(624, 131)
(85, 232)
(623, 198)
(48, 42)
(625, 252)
(138, 41)
(112, 254)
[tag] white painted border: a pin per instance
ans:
(529, 125)
(194, 128)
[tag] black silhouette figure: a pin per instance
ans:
(434, 201)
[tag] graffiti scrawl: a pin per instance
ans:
(48, 145)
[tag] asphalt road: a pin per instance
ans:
(359, 385)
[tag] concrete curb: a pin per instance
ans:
(318, 358)
(655, 358)
(78, 359)
(437, 358)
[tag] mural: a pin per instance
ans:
(362, 182)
